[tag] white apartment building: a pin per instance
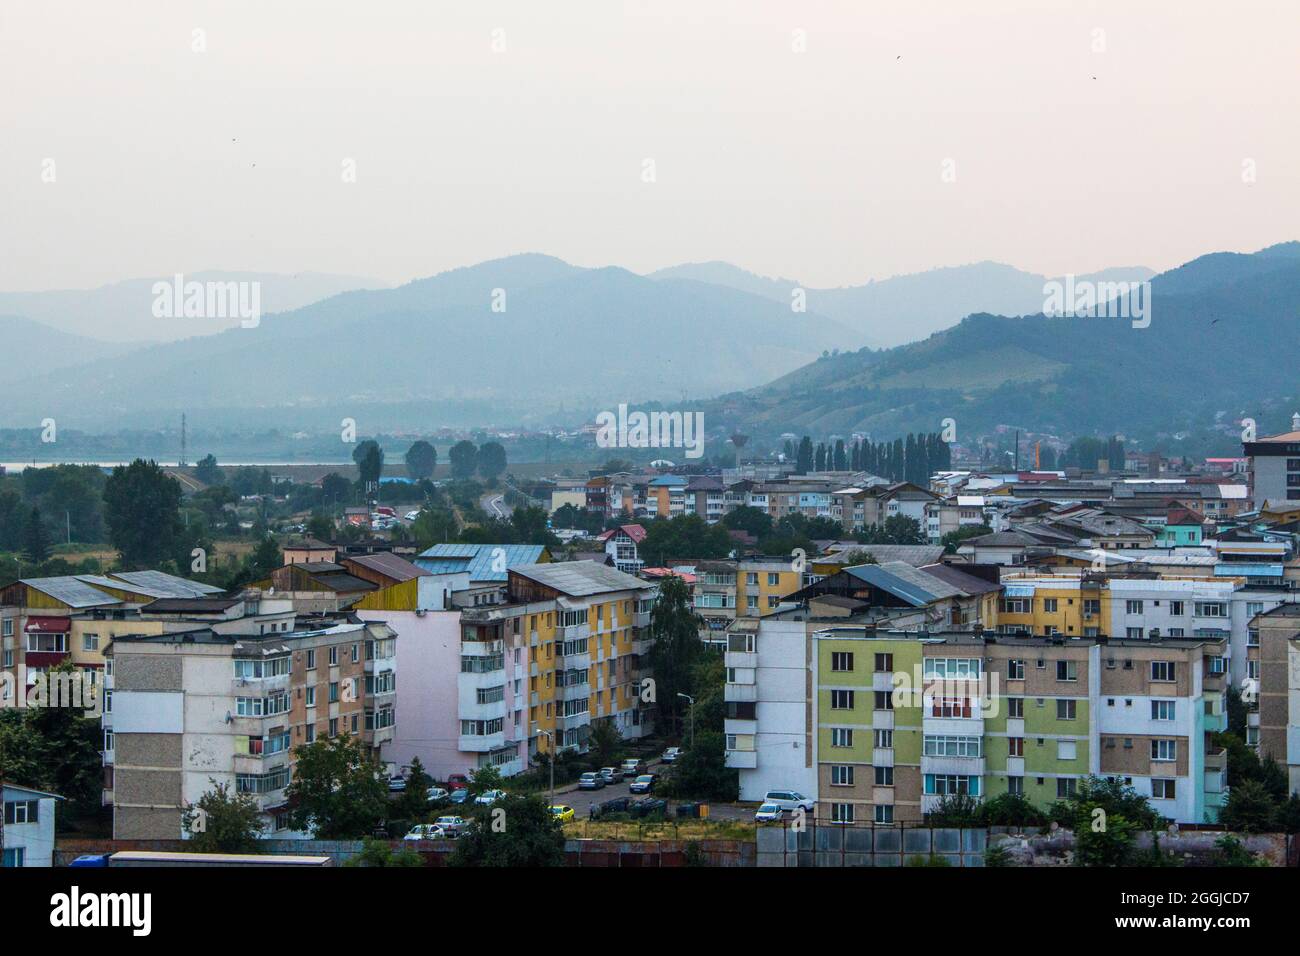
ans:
(767, 725)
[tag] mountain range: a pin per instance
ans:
(1221, 342)
(905, 308)
(532, 340)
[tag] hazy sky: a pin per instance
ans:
(824, 166)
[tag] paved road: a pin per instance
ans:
(581, 800)
(494, 505)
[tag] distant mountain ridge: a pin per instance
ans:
(1222, 339)
(523, 339)
(122, 311)
(906, 308)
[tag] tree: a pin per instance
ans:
(463, 459)
(491, 462)
(320, 526)
(751, 520)
(207, 471)
(702, 773)
(421, 460)
(530, 526)
(856, 557)
(804, 457)
(1250, 808)
(606, 742)
(337, 793)
(953, 539)
(675, 647)
(36, 542)
(370, 462)
(230, 822)
(379, 853)
(335, 489)
(516, 831)
(142, 509)
(434, 526)
(414, 802)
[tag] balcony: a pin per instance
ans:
(746, 659)
(574, 632)
(742, 759)
(481, 743)
(741, 692)
(962, 766)
(573, 722)
(574, 691)
(574, 661)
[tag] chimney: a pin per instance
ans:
(1295, 422)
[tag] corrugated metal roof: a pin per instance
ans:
(390, 565)
(161, 584)
(890, 578)
(582, 578)
(480, 560)
(71, 590)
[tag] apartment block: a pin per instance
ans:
(195, 705)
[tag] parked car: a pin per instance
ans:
(426, 831)
(591, 781)
(790, 800)
(437, 794)
(456, 781)
(411, 515)
(631, 767)
(489, 797)
(453, 826)
(563, 814)
(642, 784)
(671, 754)
(617, 805)
(768, 813)
(396, 784)
(648, 807)
(612, 775)
(460, 795)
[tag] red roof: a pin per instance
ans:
(633, 531)
(48, 625)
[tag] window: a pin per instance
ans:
(884, 663)
(884, 700)
(1016, 708)
(47, 643)
(1015, 670)
(1067, 750)
(1132, 607)
(258, 669)
(947, 746)
(1164, 750)
(1133, 633)
(90, 642)
(952, 668)
(1162, 670)
(1016, 786)
(311, 659)
(334, 656)
(1162, 788)
(310, 734)
(14, 856)
(841, 661)
(948, 784)
(1049, 605)
(334, 692)
(1177, 608)
(884, 739)
(884, 776)
(1015, 606)
(773, 579)
(841, 737)
(951, 707)
(311, 696)
(1162, 709)
(1210, 609)
(1066, 708)
(841, 776)
(751, 579)
(7, 627)
(841, 813)
(841, 700)
(1066, 787)
(1015, 746)
(884, 814)
(1067, 670)
(22, 811)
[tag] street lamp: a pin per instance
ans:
(550, 736)
(692, 700)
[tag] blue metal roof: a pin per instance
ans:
(664, 480)
(478, 559)
(1242, 569)
(878, 577)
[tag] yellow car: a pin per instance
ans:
(563, 814)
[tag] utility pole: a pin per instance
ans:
(550, 736)
(691, 746)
